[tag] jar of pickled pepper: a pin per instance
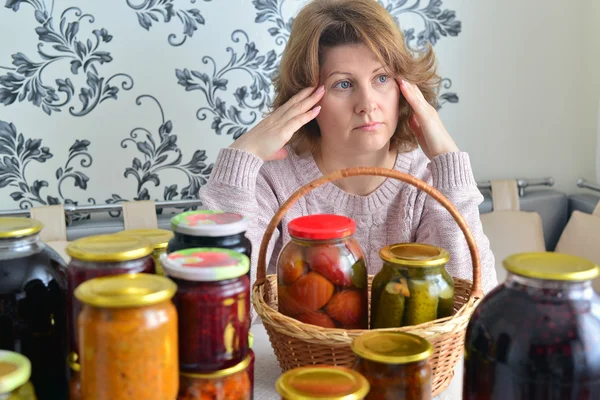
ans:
(213, 302)
(15, 370)
(229, 384)
(128, 338)
(322, 382)
(321, 273)
(396, 364)
(537, 335)
(158, 238)
(413, 286)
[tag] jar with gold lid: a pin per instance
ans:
(396, 364)
(413, 286)
(322, 382)
(228, 384)
(537, 335)
(97, 256)
(33, 305)
(15, 370)
(128, 338)
(158, 238)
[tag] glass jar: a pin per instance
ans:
(321, 273)
(128, 337)
(536, 336)
(210, 229)
(15, 371)
(396, 364)
(158, 238)
(213, 302)
(228, 384)
(322, 382)
(252, 362)
(33, 304)
(413, 286)
(97, 256)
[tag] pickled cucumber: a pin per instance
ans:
(389, 310)
(359, 274)
(422, 304)
(446, 290)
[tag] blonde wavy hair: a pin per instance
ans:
(323, 24)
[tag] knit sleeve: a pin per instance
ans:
(451, 174)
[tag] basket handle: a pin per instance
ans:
(261, 272)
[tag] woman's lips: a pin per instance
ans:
(370, 127)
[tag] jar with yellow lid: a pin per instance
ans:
(33, 305)
(97, 256)
(128, 338)
(158, 238)
(396, 364)
(413, 286)
(537, 335)
(15, 370)
(321, 382)
(228, 384)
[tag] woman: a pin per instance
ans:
(349, 93)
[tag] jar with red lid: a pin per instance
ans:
(213, 304)
(94, 257)
(321, 273)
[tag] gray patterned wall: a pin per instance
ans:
(114, 100)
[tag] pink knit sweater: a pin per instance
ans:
(395, 212)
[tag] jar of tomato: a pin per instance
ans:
(128, 337)
(97, 256)
(396, 364)
(413, 286)
(33, 305)
(158, 238)
(229, 384)
(15, 370)
(321, 272)
(536, 336)
(213, 302)
(322, 382)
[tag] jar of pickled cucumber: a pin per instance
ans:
(15, 370)
(396, 364)
(413, 286)
(322, 382)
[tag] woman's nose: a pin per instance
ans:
(365, 102)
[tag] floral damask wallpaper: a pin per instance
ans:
(115, 100)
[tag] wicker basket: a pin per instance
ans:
(297, 344)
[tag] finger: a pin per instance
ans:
(300, 120)
(415, 127)
(306, 104)
(301, 95)
(415, 98)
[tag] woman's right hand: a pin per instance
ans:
(267, 139)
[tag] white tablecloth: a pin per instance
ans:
(267, 370)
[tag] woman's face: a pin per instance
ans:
(359, 111)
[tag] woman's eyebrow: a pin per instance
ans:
(348, 73)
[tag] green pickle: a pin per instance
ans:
(422, 302)
(391, 302)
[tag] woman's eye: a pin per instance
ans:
(382, 78)
(343, 85)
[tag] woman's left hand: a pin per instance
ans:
(425, 123)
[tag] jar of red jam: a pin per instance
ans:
(536, 336)
(210, 229)
(322, 382)
(252, 361)
(322, 277)
(33, 305)
(213, 303)
(97, 256)
(15, 370)
(228, 384)
(158, 238)
(396, 364)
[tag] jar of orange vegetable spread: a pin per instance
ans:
(159, 238)
(396, 364)
(322, 382)
(322, 278)
(128, 338)
(15, 370)
(227, 384)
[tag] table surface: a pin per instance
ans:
(266, 370)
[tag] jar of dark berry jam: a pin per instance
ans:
(213, 303)
(537, 336)
(210, 229)
(97, 256)
(33, 305)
